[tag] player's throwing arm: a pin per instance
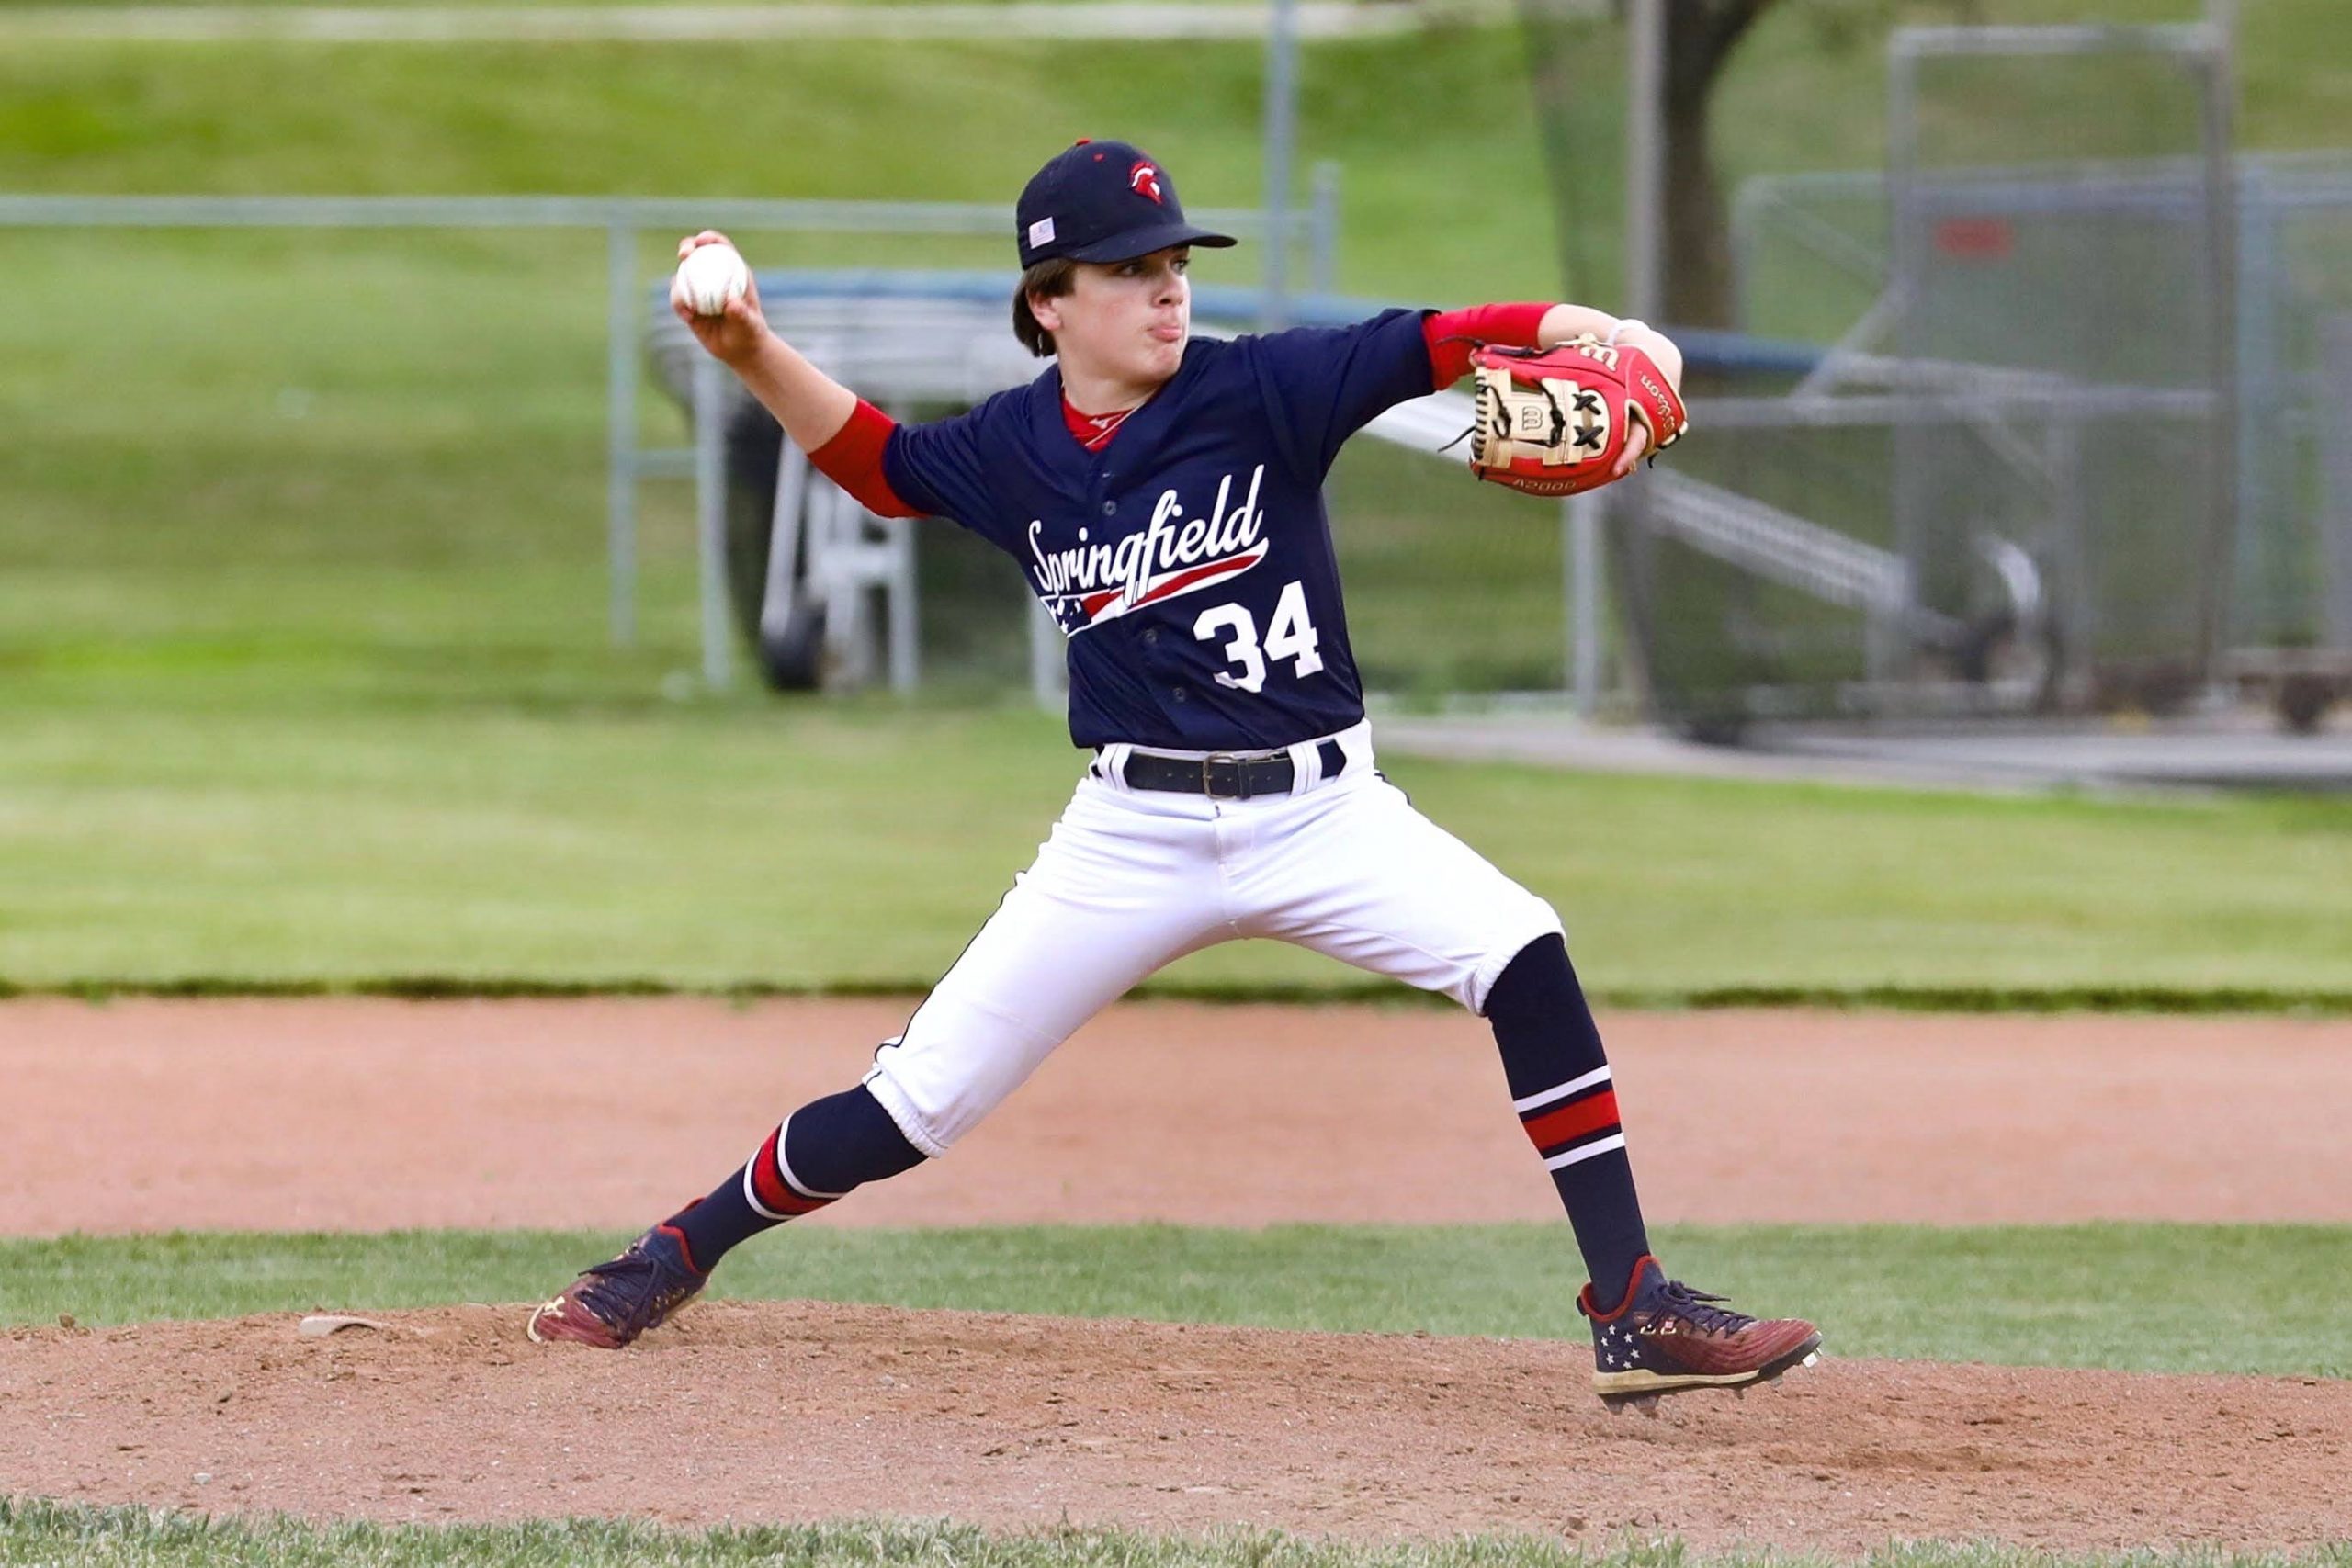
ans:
(714, 294)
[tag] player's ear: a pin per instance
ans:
(1047, 309)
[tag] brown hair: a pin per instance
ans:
(1051, 278)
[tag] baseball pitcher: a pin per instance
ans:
(1162, 495)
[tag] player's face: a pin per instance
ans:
(1128, 320)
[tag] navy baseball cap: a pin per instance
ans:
(1103, 201)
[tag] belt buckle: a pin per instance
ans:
(1240, 776)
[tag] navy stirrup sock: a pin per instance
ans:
(1561, 1089)
(819, 1153)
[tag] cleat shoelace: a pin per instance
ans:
(1692, 1307)
(630, 1289)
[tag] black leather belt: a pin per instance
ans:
(1226, 778)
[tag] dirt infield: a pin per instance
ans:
(372, 1115)
(378, 1114)
(803, 1412)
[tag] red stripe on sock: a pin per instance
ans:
(769, 1187)
(1574, 1120)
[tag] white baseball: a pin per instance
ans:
(711, 276)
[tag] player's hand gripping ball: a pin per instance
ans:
(708, 277)
(1558, 420)
(718, 299)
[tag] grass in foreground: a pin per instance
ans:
(2138, 1297)
(39, 1531)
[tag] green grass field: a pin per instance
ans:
(40, 1532)
(1436, 133)
(216, 839)
(2132, 1297)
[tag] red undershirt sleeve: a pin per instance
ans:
(1513, 325)
(852, 459)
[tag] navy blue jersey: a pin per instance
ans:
(1189, 562)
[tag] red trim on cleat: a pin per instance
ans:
(1591, 1309)
(683, 1250)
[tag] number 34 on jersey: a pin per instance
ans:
(1290, 638)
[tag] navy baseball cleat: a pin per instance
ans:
(1666, 1337)
(613, 1303)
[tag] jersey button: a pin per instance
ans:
(1110, 509)
(1179, 695)
(1151, 637)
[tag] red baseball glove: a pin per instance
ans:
(1556, 421)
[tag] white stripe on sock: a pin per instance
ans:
(1585, 1151)
(751, 1193)
(1574, 1086)
(785, 1169)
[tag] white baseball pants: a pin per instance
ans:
(1132, 880)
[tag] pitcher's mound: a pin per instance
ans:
(798, 1411)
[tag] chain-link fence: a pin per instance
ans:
(2016, 480)
(2288, 600)
(2060, 205)
(2294, 561)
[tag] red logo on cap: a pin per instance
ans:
(1145, 179)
